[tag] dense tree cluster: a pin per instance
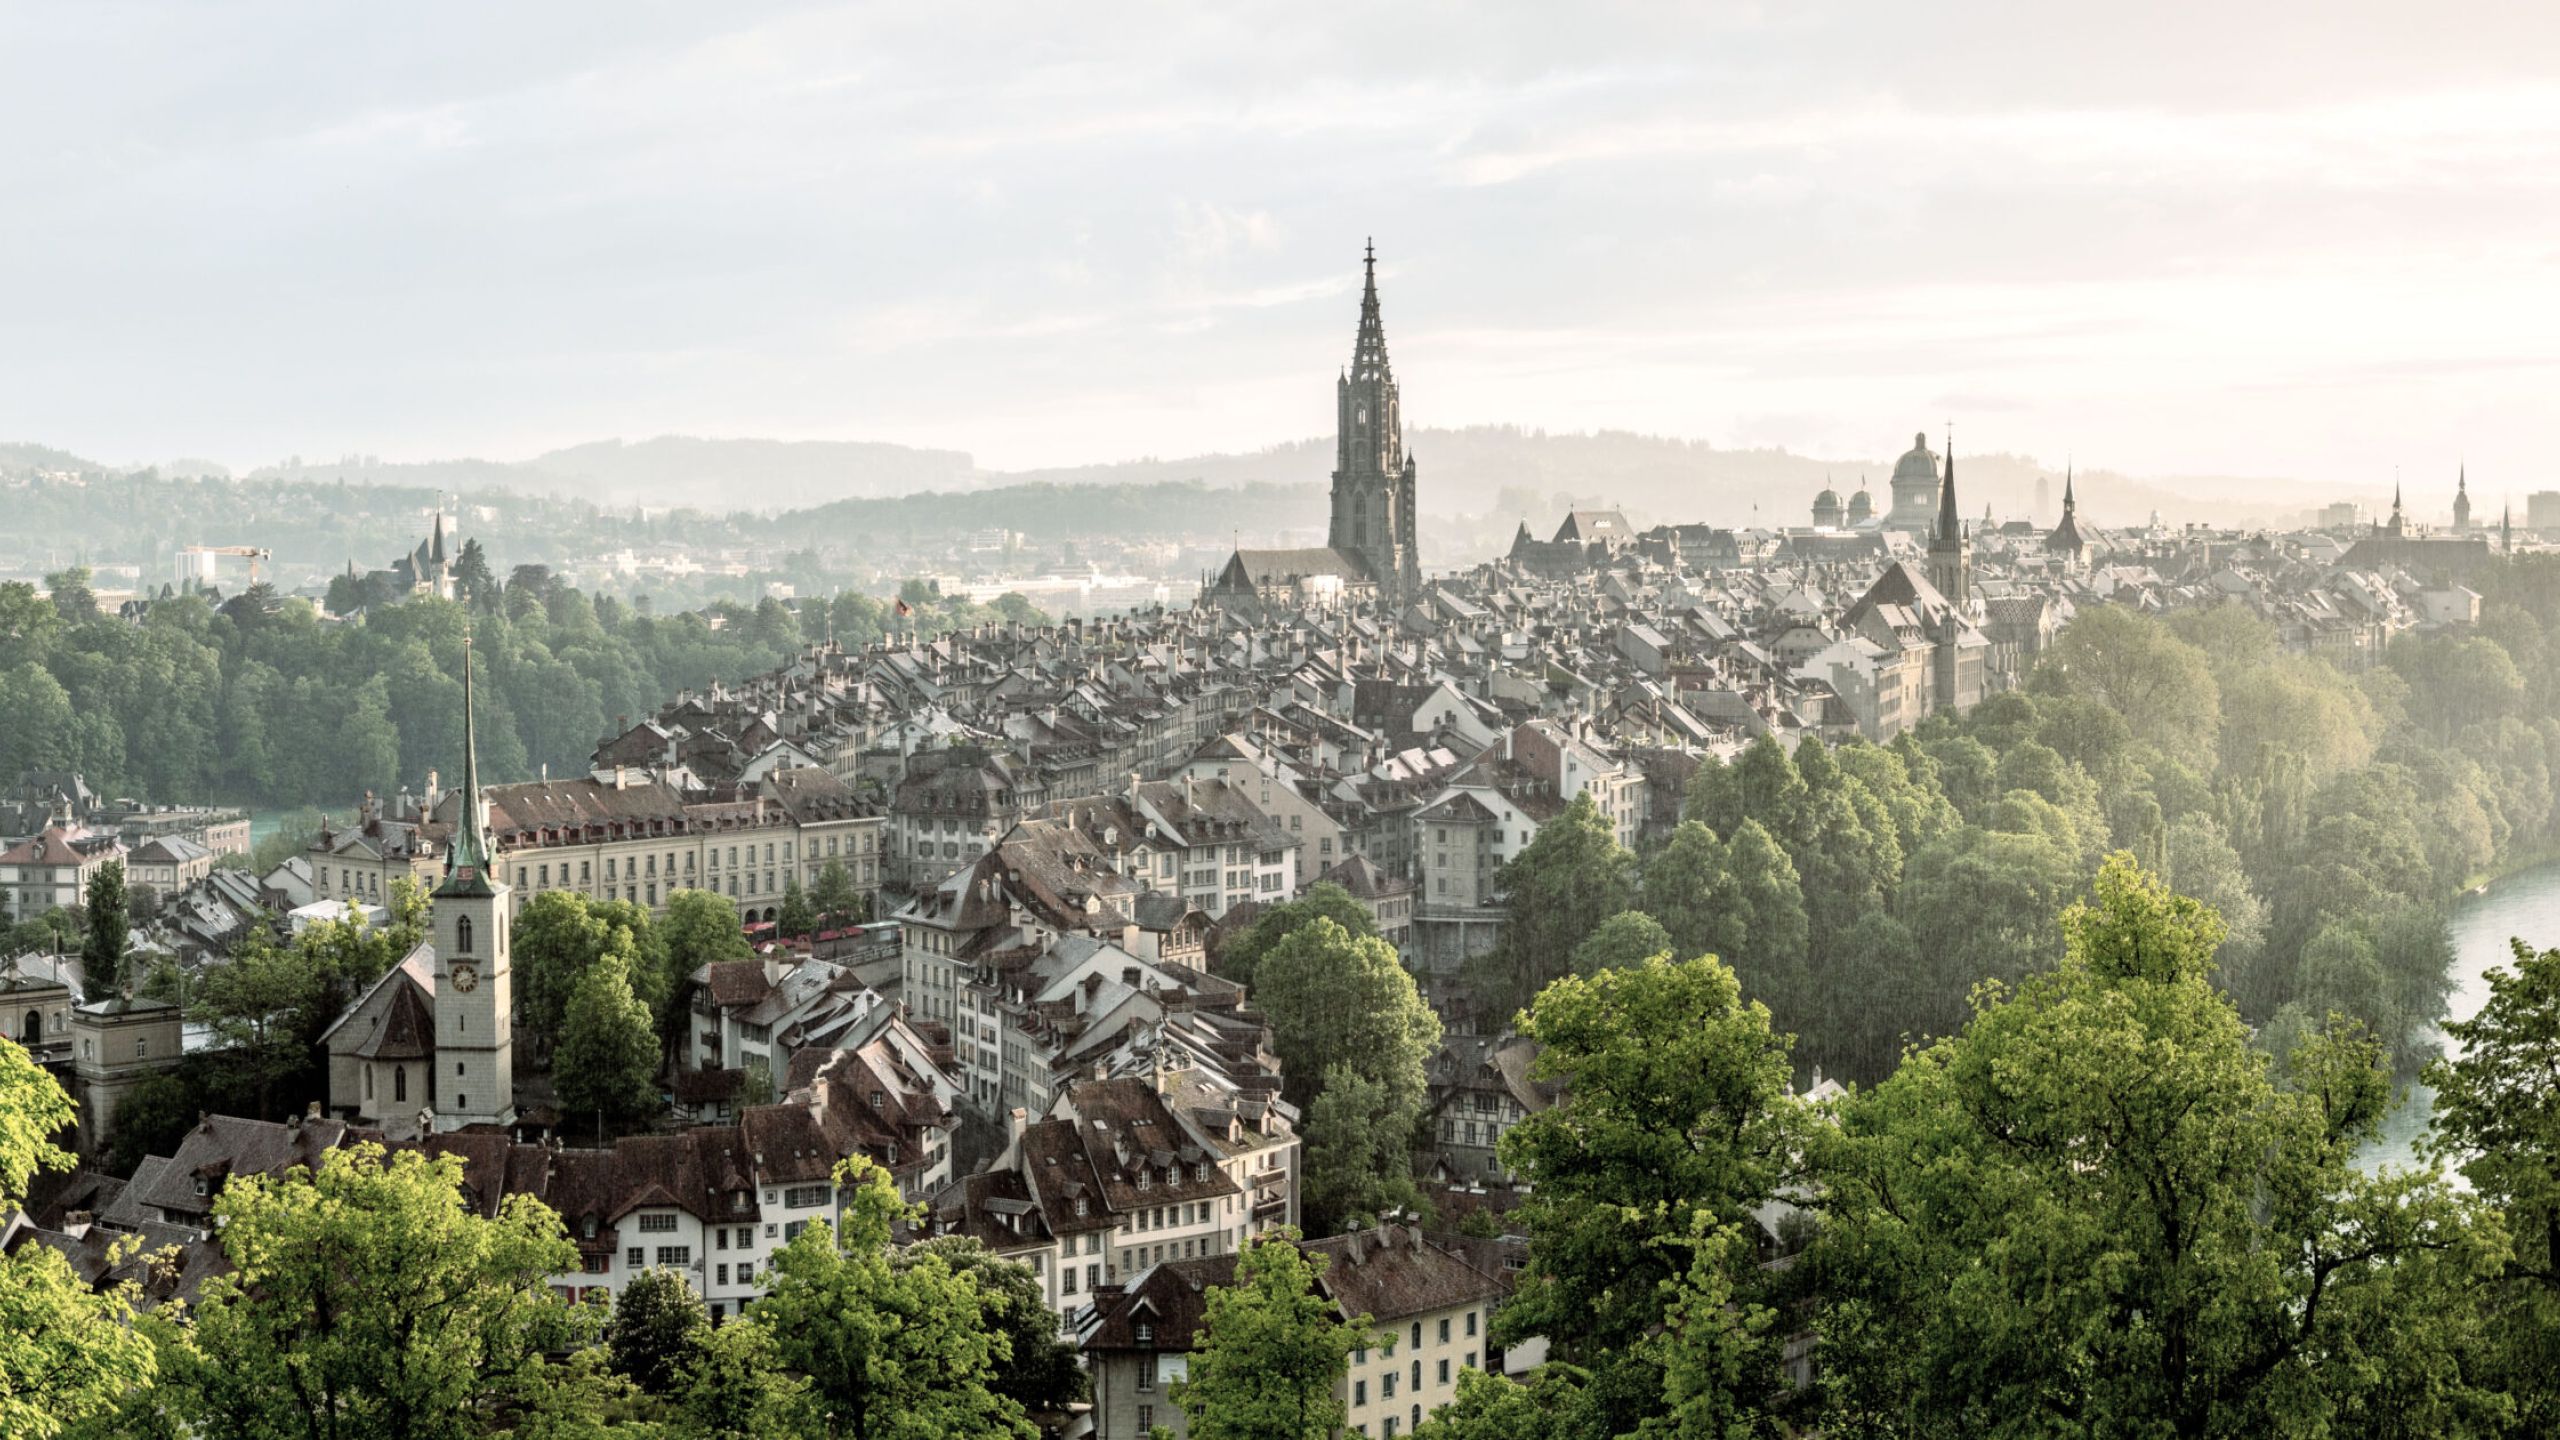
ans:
(1862, 891)
(266, 702)
(2095, 1208)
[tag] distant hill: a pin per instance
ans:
(1502, 475)
(1477, 483)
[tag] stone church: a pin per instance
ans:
(431, 1045)
(1371, 548)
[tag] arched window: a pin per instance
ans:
(33, 1030)
(462, 935)
(399, 1084)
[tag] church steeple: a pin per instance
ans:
(1950, 555)
(2462, 501)
(467, 857)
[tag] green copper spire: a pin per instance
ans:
(467, 858)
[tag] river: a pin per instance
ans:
(2524, 905)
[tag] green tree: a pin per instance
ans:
(555, 939)
(68, 1352)
(834, 897)
(267, 1007)
(2092, 1212)
(1551, 1405)
(798, 917)
(1334, 1000)
(1555, 892)
(2497, 1117)
(370, 1298)
(1685, 889)
(1271, 1350)
(701, 928)
(110, 933)
(2135, 666)
(658, 1330)
(73, 600)
(894, 1353)
(1040, 1371)
(608, 1059)
(1629, 937)
(1675, 1113)
(1359, 1153)
(1241, 957)
(738, 1389)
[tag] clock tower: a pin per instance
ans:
(475, 1069)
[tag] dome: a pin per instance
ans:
(1917, 463)
(1829, 499)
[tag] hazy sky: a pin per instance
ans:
(2304, 239)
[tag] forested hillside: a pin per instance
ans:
(263, 702)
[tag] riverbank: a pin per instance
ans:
(2523, 902)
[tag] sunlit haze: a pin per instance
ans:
(2305, 240)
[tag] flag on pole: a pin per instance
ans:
(905, 609)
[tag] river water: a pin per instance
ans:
(2524, 905)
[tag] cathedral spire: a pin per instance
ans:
(1369, 352)
(1950, 524)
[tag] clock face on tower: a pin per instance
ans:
(465, 977)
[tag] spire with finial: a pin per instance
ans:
(468, 855)
(1950, 524)
(1369, 352)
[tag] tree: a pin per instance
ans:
(1041, 1372)
(1629, 937)
(1241, 956)
(738, 1390)
(894, 1354)
(1684, 889)
(1359, 1153)
(151, 1119)
(2498, 1119)
(73, 600)
(67, 1352)
(2134, 666)
(797, 918)
(555, 940)
(834, 897)
(1333, 1000)
(1552, 1404)
(1270, 1351)
(701, 928)
(1675, 1113)
(1556, 891)
(2092, 1212)
(369, 1300)
(267, 1007)
(608, 1058)
(109, 936)
(658, 1330)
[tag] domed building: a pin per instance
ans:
(1862, 507)
(1826, 509)
(1915, 490)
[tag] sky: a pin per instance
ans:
(2302, 240)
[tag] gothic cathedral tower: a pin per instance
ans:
(475, 1081)
(1950, 554)
(1373, 519)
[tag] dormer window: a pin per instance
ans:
(1080, 1205)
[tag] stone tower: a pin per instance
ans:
(1950, 553)
(2462, 502)
(1373, 519)
(475, 1065)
